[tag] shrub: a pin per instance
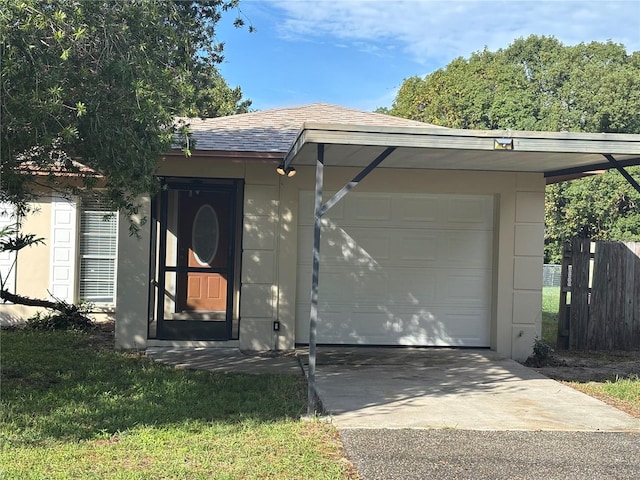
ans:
(73, 317)
(541, 350)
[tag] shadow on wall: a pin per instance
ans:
(133, 285)
(9, 319)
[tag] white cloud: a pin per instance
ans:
(437, 30)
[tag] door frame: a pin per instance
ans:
(194, 327)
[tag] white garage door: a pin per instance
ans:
(399, 269)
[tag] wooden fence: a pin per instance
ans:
(600, 296)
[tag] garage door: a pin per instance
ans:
(399, 269)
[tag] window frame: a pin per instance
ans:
(90, 205)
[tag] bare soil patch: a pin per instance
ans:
(102, 337)
(584, 367)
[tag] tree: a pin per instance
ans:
(92, 89)
(537, 83)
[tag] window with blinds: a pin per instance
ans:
(98, 244)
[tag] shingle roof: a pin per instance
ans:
(275, 130)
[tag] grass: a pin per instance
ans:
(71, 410)
(550, 306)
(623, 393)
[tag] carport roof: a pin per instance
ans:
(551, 153)
(353, 138)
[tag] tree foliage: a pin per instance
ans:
(94, 86)
(537, 83)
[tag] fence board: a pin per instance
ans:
(628, 286)
(563, 311)
(605, 314)
(635, 294)
(597, 321)
(578, 319)
(615, 318)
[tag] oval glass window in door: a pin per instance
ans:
(205, 234)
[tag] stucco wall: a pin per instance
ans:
(34, 276)
(268, 289)
(259, 289)
(518, 239)
(132, 287)
(528, 264)
(32, 266)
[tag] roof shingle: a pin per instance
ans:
(275, 130)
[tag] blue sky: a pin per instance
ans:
(355, 53)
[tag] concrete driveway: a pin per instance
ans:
(452, 389)
(450, 414)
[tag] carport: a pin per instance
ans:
(554, 154)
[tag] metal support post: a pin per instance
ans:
(313, 314)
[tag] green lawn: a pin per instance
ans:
(550, 304)
(623, 393)
(71, 410)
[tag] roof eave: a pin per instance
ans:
(570, 143)
(232, 154)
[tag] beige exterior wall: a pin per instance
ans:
(133, 281)
(269, 243)
(259, 292)
(518, 239)
(33, 271)
(33, 264)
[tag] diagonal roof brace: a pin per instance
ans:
(349, 186)
(622, 171)
(630, 162)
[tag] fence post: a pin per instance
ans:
(579, 318)
(599, 311)
(562, 340)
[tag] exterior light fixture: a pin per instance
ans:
(285, 171)
(503, 143)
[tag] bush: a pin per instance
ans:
(74, 317)
(541, 350)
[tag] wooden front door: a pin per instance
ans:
(204, 261)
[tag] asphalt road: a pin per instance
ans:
(388, 454)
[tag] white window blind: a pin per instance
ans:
(98, 246)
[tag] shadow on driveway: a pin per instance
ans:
(452, 388)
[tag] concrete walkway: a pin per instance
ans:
(453, 389)
(225, 360)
